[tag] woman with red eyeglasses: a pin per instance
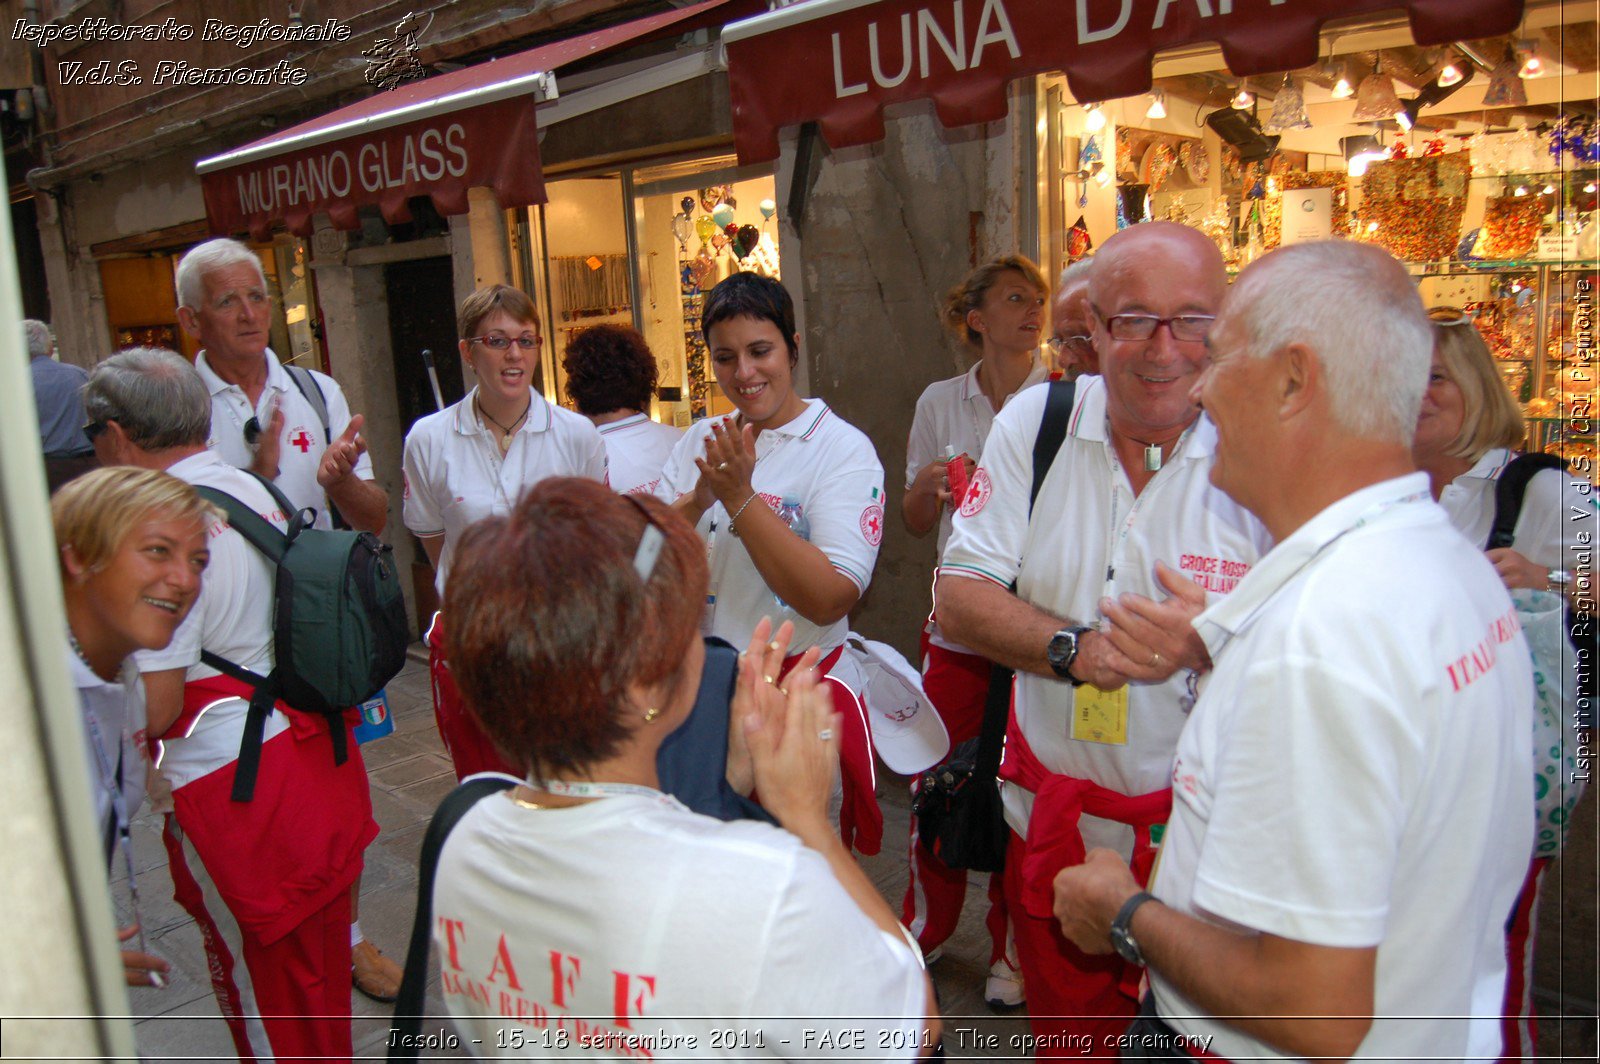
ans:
(476, 459)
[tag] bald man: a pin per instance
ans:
(1127, 510)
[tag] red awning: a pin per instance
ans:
(839, 62)
(436, 137)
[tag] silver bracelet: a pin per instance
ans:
(1557, 580)
(732, 521)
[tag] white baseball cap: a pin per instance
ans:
(906, 730)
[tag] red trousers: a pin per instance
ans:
(957, 684)
(1518, 1025)
(1069, 992)
(471, 750)
(292, 998)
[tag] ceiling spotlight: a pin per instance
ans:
(1548, 190)
(1244, 99)
(1342, 89)
(1589, 188)
(1403, 119)
(1521, 190)
(1449, 75)
(1532, 66)
(1360, 151)
(1095, 120)
(1158, 105)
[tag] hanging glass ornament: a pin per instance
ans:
(1376, 100)
(722, 214)
(1288, 109)
(1505, 87)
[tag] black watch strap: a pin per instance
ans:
(1122, 935)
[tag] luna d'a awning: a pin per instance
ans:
(840, 62)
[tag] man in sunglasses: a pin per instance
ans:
(1126, 518)
(263, 417)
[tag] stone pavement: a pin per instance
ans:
(410, 774)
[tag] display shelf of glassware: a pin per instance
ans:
(1539, 320)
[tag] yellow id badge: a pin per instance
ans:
(1100, 716)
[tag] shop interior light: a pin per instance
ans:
(1532, 66)
(1403, 118)
(1341, 86)
(1158, 105)
(1095, 120)
(1589, 188)
(1288, 109)
(1376, 99)
(1548, 190)
(1361, 151)
(1449, 74)
(1522, 190)
(1244, 99)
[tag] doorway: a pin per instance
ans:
(422, 316)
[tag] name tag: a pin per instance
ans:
(1100, 716)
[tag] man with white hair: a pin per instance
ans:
(266, 418)
(56, 385)
(263, 417)
(1351, 816)
(1126, 510)
(1071, 333)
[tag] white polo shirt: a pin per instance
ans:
(232, 618)
(954, 413)
(1355, 772)
(1091, 538)
(455, 474)
(117, 710)
(827, 465)
(302, 443)
(636, 450)
(1556, 528)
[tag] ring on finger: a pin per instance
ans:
(770, 680)
(825, 734)
(722, 467)
(1155, 658)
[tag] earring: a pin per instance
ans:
(651, 714)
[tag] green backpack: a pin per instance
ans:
(339, 627)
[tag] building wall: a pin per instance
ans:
(886, 231)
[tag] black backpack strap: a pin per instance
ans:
(997, 703)
(1509, 490)
(263, 696)
(413, 984)
(1052, 434)
(319, 402)
(256, 530)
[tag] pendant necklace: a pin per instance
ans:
(506, 430)
(1152, 452)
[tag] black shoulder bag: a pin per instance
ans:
(960, 817)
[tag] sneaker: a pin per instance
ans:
(1003, 989)
(373, 974)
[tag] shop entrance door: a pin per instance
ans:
(422, 315)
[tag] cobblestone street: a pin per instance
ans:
(410, 774)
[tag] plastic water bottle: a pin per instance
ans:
(792, 514)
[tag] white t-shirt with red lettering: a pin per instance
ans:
(1091, 538)
(830, 468)
(576, 929)
(636, 450)
(1355, 772)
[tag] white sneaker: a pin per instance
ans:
(1003, 988)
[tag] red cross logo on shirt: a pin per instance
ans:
(872, 524)
(301, 441)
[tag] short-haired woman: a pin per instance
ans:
(997, 312)
(781, 452)
(611, 376)
(1467, 435)
(476, 458)
(585, 913)
(132, 547)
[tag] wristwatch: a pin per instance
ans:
(1062, 651)
(1122, 939)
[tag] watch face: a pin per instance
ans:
(1122, 941)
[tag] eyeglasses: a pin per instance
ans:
(1078, 345)
(1189, 328)
(502, 343)
(1448, 316)
(93, 429)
